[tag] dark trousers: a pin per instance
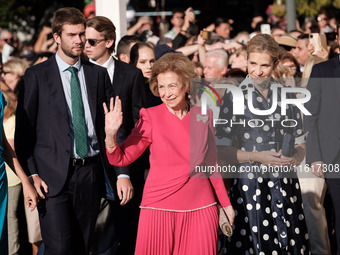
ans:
(68, 219)
(105, 241)
(127, 224)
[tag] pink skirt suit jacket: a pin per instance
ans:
(178, 209)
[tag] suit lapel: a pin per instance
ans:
(56, 86)
(118, 78)
(336, 68)
(91, 79)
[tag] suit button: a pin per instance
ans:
(68, 152)
(68, 134)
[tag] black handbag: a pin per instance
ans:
(288, 145)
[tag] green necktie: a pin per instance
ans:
(79, 126)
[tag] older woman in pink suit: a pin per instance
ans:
(178, 209)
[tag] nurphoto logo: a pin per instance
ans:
(238, 99)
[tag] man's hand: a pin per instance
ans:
(124, 190)
(38, 183)
(189, 15)
(317, 169)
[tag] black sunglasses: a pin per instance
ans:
(94, 42)
(7, 40)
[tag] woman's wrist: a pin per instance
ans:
(110, 143)
(110, 140)
(25, 182)
(251, 157)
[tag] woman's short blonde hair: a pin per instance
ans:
(16, 65)
(177, 63)
(264, 43)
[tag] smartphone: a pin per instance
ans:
(330, 36)
(206, 35)
(318, 41)
(265, 29)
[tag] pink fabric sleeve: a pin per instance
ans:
(211, 159)
(135, 144)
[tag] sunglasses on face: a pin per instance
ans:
(94, 42)
(8, 40)
(319, 19)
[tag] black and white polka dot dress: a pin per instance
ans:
(269, 211)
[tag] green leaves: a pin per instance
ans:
(310, 8)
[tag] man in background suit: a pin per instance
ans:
(128, 84)
(124, 46)
(60, 137)
(323, 126)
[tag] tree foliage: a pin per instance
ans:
(310, 8)
(305, 8)
(28, 16)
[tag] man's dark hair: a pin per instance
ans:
(220, 21)
(303, 36)
(67, 15)
(123, 46)
(177, 10)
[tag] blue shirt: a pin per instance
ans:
(92, 142)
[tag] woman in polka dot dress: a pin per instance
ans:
(269, 212)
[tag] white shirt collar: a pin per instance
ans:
(109, 65)
(63, 65)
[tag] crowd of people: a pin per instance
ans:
(108, 135)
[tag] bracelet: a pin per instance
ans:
(184, 31)
(249, 158)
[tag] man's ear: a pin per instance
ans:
(109, 43)
(56, 38)
(125, 58)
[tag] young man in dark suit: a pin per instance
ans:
(323, 126)
(127, 82)
(60, 137)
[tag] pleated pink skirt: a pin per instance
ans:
(177, 233)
